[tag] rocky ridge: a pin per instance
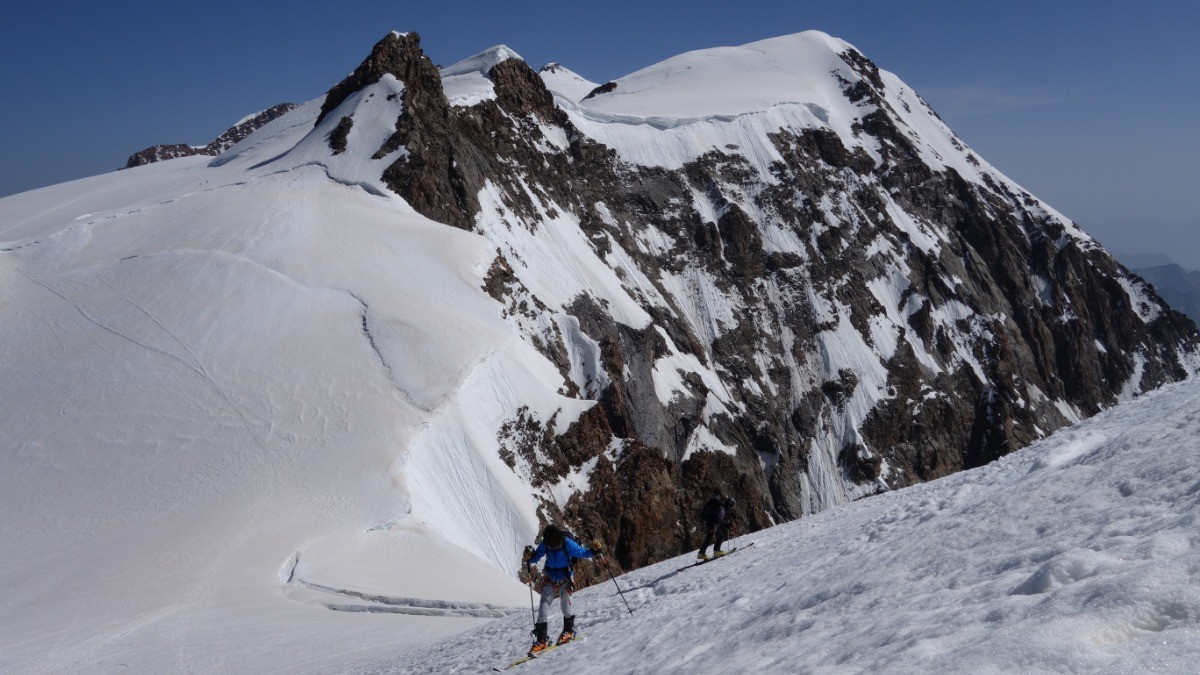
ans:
(229, 138)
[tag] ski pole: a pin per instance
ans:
(614, 580)
(529, 576)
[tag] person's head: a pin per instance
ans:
(717, 495)
(728, 503)
(552, 537)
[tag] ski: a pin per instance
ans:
(702, 562)
(547, 650)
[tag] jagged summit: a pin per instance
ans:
(397, 54)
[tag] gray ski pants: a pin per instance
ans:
(549, 588)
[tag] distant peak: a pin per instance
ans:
(241, 129)
(502, 53)
(808, 36)
(564, 82)
(482, 62)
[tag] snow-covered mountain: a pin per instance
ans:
(353, 361)
(774, 267)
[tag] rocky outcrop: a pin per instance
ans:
(602, 89)
(161, 153)
(340, 135)
(397, 54)
(230, 137)
(428, 175)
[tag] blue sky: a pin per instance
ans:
(1090, 105)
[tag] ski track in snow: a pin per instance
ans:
(344, 600)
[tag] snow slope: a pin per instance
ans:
(733, 80)
(566, 83)
(1077, 554)
(234, 396)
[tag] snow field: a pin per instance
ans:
(228, 392)
(1076, 554)
(567, 84)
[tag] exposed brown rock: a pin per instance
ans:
(521, 91)
(396, 54)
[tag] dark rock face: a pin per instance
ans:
(519, 90)
(871, 352)
(340, 135)
(231, 136)
(397, 54)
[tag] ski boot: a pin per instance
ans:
(540, 640)
(702, 556)
(568, 631)
(718, 554)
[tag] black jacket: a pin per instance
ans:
(714, 513)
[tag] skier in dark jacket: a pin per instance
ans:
(559, 549)
(716, 516)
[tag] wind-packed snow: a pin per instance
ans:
(565, 83)
(674, 111)
(732, 80)
(466, 82)
(673, 142)
(1076, 554)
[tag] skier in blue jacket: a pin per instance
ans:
(559, 549)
